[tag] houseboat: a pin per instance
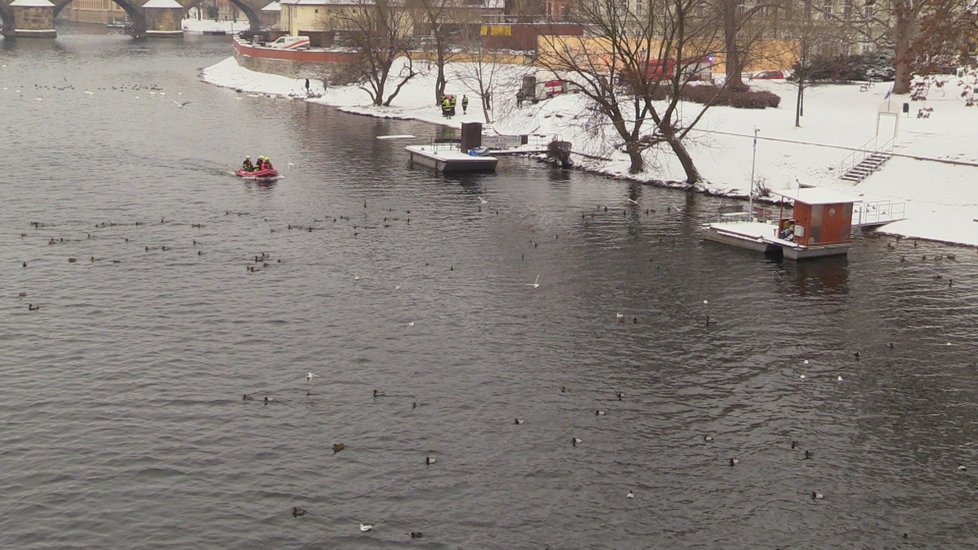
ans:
(818, 224)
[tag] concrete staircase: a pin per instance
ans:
(866, 167)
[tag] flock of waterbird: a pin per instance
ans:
(136, 91)
(137, 236)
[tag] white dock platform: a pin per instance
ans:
(446, 157)
(878, 212)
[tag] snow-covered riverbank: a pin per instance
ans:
(934, 170)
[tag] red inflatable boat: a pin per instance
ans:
(257, 174)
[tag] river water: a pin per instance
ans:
(122, 422)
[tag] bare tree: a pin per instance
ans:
(807, 36)
(480, 73)
(743, 28)
(945, 36)
(908, 26)
(435, 19)
(378, 30)
(632, 67)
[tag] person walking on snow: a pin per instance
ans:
(465, 103)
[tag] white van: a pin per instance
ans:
(290, 43)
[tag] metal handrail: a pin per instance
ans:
(878, 212)
(440, 144)
(863, 152)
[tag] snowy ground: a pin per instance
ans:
(939, 184)
(193, 25)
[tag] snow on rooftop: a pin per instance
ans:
(939, 194)
(816, 195)
(162, 4)
(32, 3)
(274, 6)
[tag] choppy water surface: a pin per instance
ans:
(123, 422)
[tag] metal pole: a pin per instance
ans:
(750, 198)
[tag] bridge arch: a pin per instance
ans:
(251, 12)
(134, 13)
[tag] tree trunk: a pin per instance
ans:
(902, 61)
(440, 82)
(679, 149)
(381, 82)
(800, 102)
(485, 106)
(734, 64)
(692, 174)
(635, 158)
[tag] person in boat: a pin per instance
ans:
(268, 164)
(247, 166)
(261, 163)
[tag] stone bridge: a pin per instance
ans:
(149, 17)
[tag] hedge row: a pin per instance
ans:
(743, 99)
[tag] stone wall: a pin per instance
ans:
(289, 68)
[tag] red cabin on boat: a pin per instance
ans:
(820, 217)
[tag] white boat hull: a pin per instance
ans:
(759, 237)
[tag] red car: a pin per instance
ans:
(769, 75)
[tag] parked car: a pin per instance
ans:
(769, 75)
(880, 73)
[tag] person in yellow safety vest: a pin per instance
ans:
(465, 103)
